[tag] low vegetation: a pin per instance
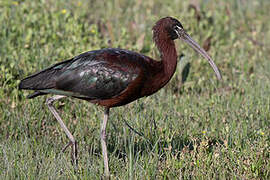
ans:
(195, 127)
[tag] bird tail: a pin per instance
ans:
(39, 81)
(35, 94)
(44, 79)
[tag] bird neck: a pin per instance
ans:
(168, 54)
(162, 70)
(168, 58)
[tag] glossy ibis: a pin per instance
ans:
(112, 77)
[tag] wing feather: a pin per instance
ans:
(94, 75)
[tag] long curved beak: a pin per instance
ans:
(186, 38)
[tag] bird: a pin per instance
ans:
(112, 77)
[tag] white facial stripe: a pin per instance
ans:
(178, 27)
(178, 30)
(177, 33)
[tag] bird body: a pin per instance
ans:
(113, 77)
(108, 77)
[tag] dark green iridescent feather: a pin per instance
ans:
(96, 81)
(89, 75)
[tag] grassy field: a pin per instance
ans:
(194, 128)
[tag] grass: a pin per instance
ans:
(194, 128)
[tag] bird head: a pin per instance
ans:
(169, 29)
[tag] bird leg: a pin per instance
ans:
(72, 142)
(103, 142)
